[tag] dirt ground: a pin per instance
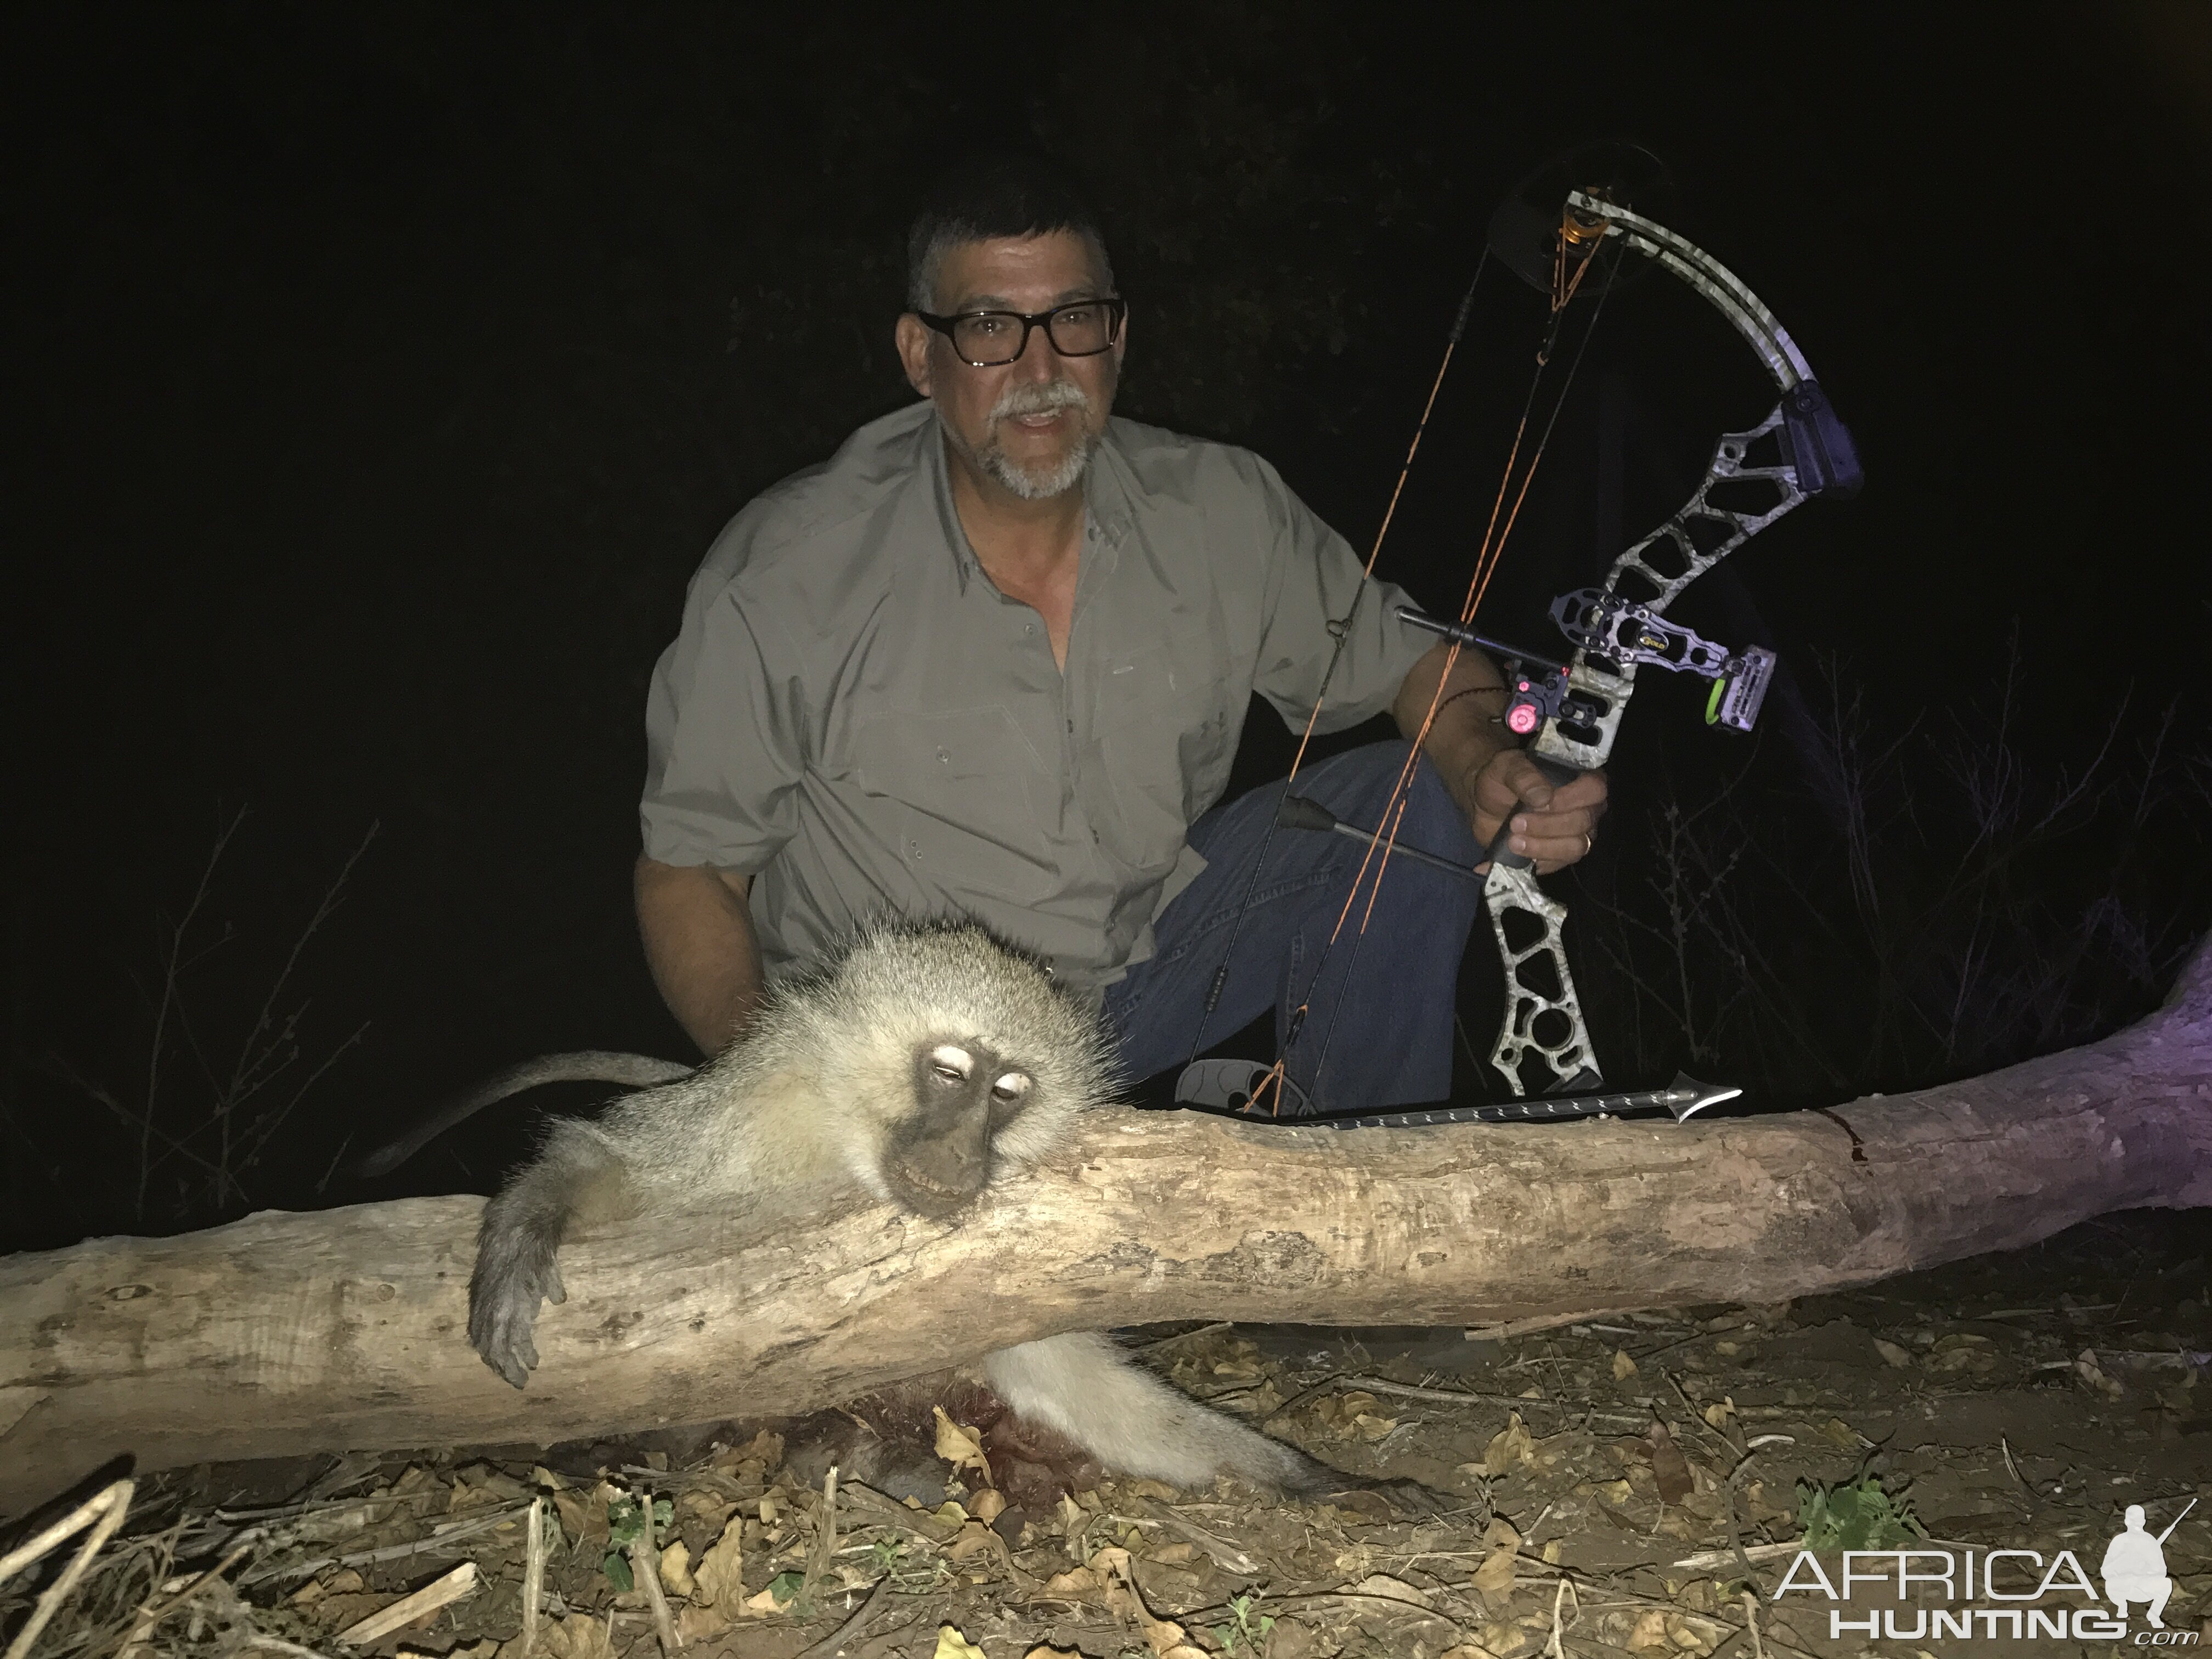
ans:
(1608, 1488)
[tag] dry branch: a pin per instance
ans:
(287, 1333)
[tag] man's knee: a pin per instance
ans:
(1358, 784)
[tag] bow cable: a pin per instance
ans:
(1580, 237)
(1341, 630)
(1486, 563)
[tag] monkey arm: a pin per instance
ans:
(579, 1179)
(699, 942)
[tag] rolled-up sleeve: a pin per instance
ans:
(1312, 575)
(724, 751)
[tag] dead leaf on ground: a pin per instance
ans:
(1511, 1448)
(579, 1636)
(961, 1446)
(719, 1580)
(1668, 1467)
(1623, 1366)
(695, 1624)
(972, 1540)
(765, 1449)
(1892, 1353)
(2092, 1377)
(1493, 1579)
(1650, 1635)
(1390, 1589)
(1163, 1636)
(675, 1568)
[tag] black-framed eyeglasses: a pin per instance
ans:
(988, 340)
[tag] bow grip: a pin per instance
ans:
(1558, 776)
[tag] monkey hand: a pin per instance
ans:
(515, 1271)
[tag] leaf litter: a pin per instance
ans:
(1609, 1488)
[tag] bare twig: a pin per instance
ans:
(645, 1565)
(1566, 1588)
(173, 967)
(853, 1625)
(533, 1576)
(103, 1513)
(441, 1591)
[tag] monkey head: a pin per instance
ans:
(938, 1156)
(958, 1060)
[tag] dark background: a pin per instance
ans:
(378, 375)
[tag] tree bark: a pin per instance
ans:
(344, 1330)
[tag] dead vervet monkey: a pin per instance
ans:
(920, 1066)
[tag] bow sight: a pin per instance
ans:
(1612, 633)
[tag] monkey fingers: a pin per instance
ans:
(514, 1274)
(499, 1329)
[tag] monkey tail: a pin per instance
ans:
(1087, 1388)
(590, 1066)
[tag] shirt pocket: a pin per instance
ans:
(958, 791)
(1168, 721)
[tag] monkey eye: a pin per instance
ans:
(1012, 1086)
(953, 1064)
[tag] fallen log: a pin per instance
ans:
(343, 1330)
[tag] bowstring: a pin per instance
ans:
(1488, 560)
(1341, 631)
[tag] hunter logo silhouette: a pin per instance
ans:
(2134, 1566)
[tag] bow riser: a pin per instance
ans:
(1511, 891)
(1611, 686)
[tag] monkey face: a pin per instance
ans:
(939, 1155)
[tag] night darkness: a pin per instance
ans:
(378, 375)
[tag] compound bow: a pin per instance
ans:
(1570, 713)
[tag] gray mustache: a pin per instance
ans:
(1046, 400)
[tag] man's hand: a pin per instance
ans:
(1485, 773)
(1553, 824)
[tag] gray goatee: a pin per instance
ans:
(1038, 484)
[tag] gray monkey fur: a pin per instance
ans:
(841, 1094)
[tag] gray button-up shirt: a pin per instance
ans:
(854, 715)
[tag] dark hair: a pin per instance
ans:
(987, 197)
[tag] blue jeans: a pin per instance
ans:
(1378, 1027)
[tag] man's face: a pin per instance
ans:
(1031, 424)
